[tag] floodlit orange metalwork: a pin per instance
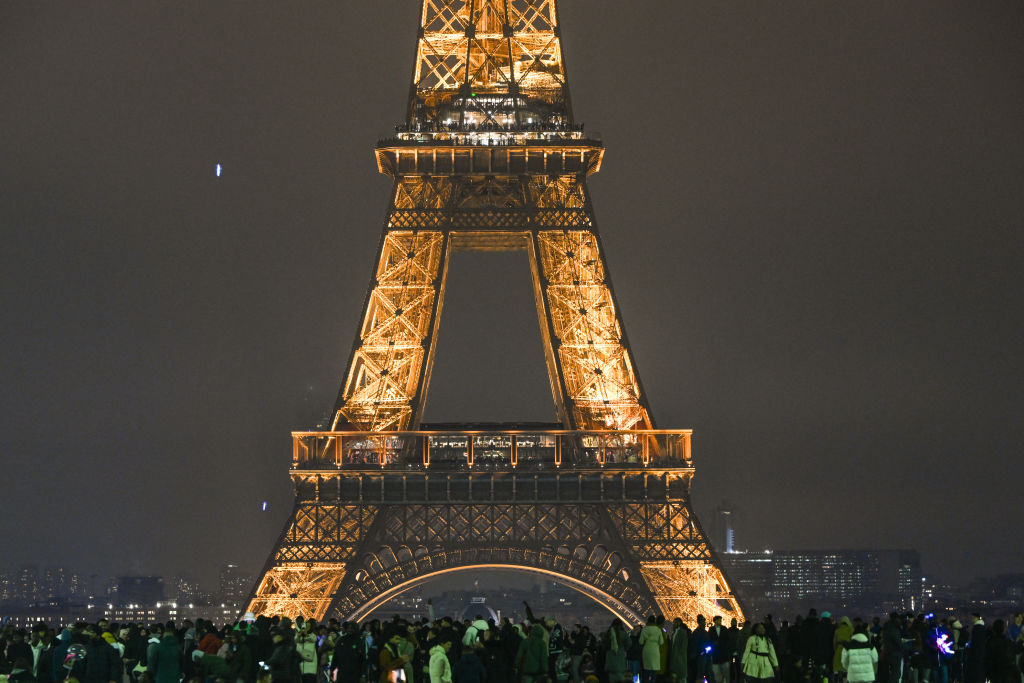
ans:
(493, 449)
(490, 158)
(303, 589)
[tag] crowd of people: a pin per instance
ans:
(812, 649)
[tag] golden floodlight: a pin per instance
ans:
(490, 158)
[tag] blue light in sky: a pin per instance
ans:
(264, 506)
(218, 170)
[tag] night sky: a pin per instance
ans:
(813, 214)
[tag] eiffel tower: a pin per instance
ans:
(490, 158)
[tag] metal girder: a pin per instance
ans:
(627, 538)
(305, 589)
(494, 61)
(490, 158)
(592, 371)
(686, 588)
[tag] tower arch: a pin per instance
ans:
(605, 600)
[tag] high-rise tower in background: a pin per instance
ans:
(490, 157)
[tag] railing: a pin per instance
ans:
(507, 449)
(490, 135)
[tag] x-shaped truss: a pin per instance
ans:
(489, 47)
(300, 589)
(596, 366)
(385, 372)
(687, 588)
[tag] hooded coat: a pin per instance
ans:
(860, 660)
(840, 638)
(439, 668)
(532, 658)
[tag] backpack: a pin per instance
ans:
(563, 664)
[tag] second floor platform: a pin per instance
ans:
(493, 449)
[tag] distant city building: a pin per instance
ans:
(52, 583)
(183, 588)
(28, 582)
(139, 590)
(723, 537)
(877, 579)
(234, 586)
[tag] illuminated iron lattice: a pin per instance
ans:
(305, 590)
(490, 158)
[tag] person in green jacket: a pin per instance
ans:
(842, 636)
(532, 658)
(164, 663)
(678, 650)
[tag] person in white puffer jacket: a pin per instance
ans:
(440, 669)
(860, 659)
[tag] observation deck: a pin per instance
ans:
(485, 465)
(490, 450)
(489, 149)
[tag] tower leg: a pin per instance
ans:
(686, 588)
(298, 589)
(383, 388)
(318, 546)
